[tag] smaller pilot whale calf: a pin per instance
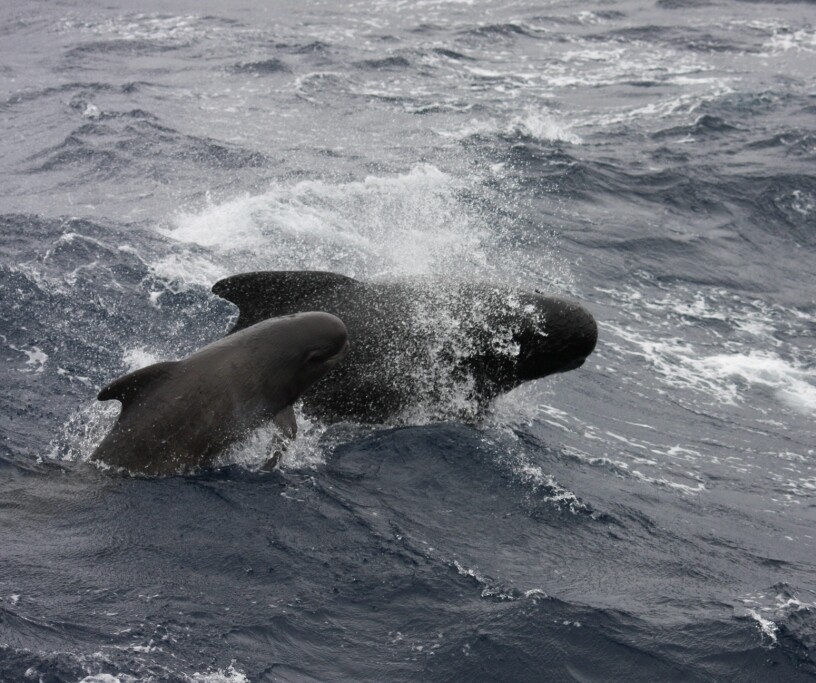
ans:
(178, 416)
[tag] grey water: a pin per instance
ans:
(649, 516)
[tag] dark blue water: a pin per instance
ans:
(650, 516)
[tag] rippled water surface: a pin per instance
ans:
(650, 516)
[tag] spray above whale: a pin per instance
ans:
(425, 345)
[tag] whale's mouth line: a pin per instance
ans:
(573, 364)
(339, 355)
(328, 355)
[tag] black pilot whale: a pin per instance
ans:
(421, 344)
(178, 416)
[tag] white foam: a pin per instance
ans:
(534, 476)
(542, 126)
(422, 222)
(667, 107)
(490, 588)
(399, 225)
(783, 40)
(668, 483)
(768, 628)
(307, 451)
(730, 375)
(795, 386)
(803, 203)
(228, 675)
(540, 485)
(770, 608)
(309, 86)
(36, 358)
(85, 428)
(139, 357)
(480, 72)
(62, 372)
(183, 270)
(146, 27)
(91, 111)
(83, 431)
(593, 63)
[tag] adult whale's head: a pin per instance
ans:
(528, 335)
(557, 336)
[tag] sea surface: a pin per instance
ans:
(650, 516)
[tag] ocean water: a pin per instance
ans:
(650, 516)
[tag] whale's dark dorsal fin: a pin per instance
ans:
(126, 388)
(268, 294)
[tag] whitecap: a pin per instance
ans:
(793, 385)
